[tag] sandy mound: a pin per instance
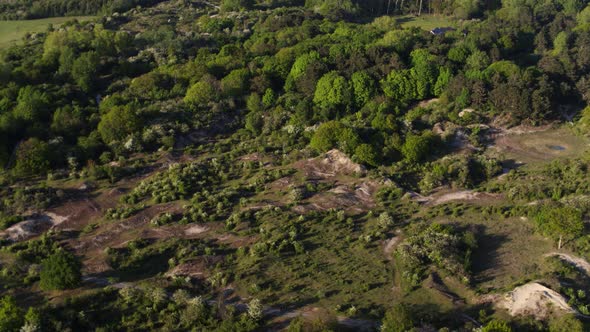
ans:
(195, 229)
(332, 163)
(353, 198)
(534, 299)
(580, 263)
(390, 245)
(33, 226)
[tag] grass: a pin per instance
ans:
(426, 22)
(13, 31)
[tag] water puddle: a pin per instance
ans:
(556, 147)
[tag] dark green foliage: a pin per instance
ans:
(398, 319)
(118, 123)
(559, 222)
(417, 148)
(61, 270)
(32, 158)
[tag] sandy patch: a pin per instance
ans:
(534, 299)
(35, 225)
(331, 164)
(196, 229)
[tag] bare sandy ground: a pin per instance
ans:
(534, 299)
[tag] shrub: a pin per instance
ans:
(61, 270)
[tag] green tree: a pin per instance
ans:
(332, 91)
(400, 86)
(235, 83)
(254, 103)
(118, 123)
(496, 326)
(398, 319)
(32, 157)
(11, 315)
(366, 154)
(201, 93)
(254, 122)
(85, 69)
(363, 87)
(561, 223)
(32, 104)
(61, 270)
(424, 72)
(269, 98)
(417, 147)
(333, 134)
(566, 323)
(235, 5)
(444, 77)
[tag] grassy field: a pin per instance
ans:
(426, 22)
(13, 31)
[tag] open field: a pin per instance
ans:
(13, 31)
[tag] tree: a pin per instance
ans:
(235, 83)
(118, 123)
(32, 157)
(496, 326)
(61, 270)
(444, 77)
(333, 134)
(85, 69)
(235, 5)
(32, 104)
(11, 315)
(417, 147)
(366, 154)
(332, 91)
(202, 92)
(398, 319)
(254, 122)
(363, 87)
(566, 323)
(424, 72)
(561, 223)
(400, 86)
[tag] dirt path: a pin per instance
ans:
(580, 263)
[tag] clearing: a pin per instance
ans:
(14, 31)
(426, 22)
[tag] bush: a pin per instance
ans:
(60, 271)
(11, 316)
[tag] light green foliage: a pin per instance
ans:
(559, 222)
(458, 54)
(366, 154)
(269, 98)
(118, 123)
(363, 87)
(424, 72)
(332, 91)
(254, 103)
(84, 70)
(61, 270)
(566, 323)
(235, 5)
(398, 319)
(254, 122)
(478, 60)
(32, 158)
(583, 17)
(496, 326)
(560, 44)
(201, 93)
(302, 62)
(11, 315)
(400, 86)
(333, 9)
(334, 134)
(399, 40)
(32, 104)
(444, 77)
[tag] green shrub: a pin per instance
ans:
(61, 270)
